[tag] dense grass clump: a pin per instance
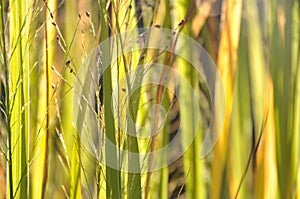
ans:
(149, 99)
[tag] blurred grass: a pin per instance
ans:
(193, 166)
(227, 63)
(255, 45)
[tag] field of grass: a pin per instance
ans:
(150, 99)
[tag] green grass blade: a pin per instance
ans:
(7, 105)
(284, 66)
(193, 166)
(113, 181)
(73, 57)
(295, 112)
(19, 97)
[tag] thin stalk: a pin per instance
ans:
(7, 103)
(193, 166)
(161, 95)
(134, 179)
(164, 173)
(19, 87)
(113, 181)
(41, 148)
(73, 56)
(162, 16)
(257, 72)
(47, 105)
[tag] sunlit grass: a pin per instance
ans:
(45, 52)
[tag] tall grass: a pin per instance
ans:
(285, 69)
(18, 111)
(193, 166)
(47, 72)
(70, 63)
(227, 63)
(39, 174)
